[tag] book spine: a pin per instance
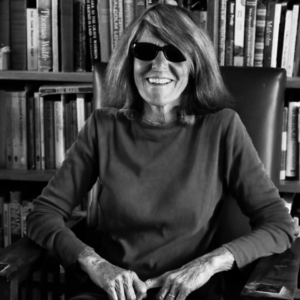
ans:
(47, 90)
(37, 131)
(292, 139)
(283, 144)
(74, 124)
(32, 39)
(15, 130)
(269, 34)
(250, 28)
(296, 68)
(5, 23)
(140, 6)
(104, 29)
(229, 43)
(260, 34)
(68, 121)
(15, 215)
(9, 131)
(18, 35)
(80, 36)
(120, 18)
(114, 4)
(239, 26)
(31, 133)
(275, 35)
(55, 35)
(42, 131)
(95, 32)
(49, 135)
(281, 32)
(6, 222)
(128, 12)
(213, 22)
(59, 134)
(45, 36)
(292, 43)
(286, 38)
(23, 158)
(2, 200)
(222, 32)
(80, 105)
(66, 36)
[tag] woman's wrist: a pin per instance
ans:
(220, 259)
(88, 258)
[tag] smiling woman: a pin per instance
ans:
(167, 150)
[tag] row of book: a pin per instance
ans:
(261, 33)
(40, 126)
(46, 35)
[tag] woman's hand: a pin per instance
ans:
(120, 284)
(178, 284)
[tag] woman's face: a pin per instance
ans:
(160, 82)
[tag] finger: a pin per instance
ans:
(112, 293)
(139, 286)
(182, 295)
(164, 291)
(128, 288)
(155, 282)
(120, 290)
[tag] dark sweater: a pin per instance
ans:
(161, 188)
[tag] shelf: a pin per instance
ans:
(27, 175)
(293, 83)
(47, 76)
(289, 186)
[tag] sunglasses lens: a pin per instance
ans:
(144, 51)
(173, 54)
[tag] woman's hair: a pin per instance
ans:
(174, 25)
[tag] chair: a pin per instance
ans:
(260, 93)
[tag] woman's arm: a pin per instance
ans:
(46, 224)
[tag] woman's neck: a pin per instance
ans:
(158, 115)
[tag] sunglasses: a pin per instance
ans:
(148, 51)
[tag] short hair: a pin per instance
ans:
(205, 92)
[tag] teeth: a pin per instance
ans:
(159, 80)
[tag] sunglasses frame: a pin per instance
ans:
(158, 49)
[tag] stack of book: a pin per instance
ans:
(42, 125)
(261, 33)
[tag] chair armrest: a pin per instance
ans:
(275, 276)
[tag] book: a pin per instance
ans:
(283, 144)
(42, 131)
(59, 136)
(4, 23)
(6, 223)
(45, 35)
(296, 67)
(270, 16)
(37, 131)
(25, 209)
(140, 6)
(49, 133)
(55, 25)
(213, 22)
(275, 38)
(104, 29)
(2, 200)
(114, 24)
(261, 14)
(65, 89)
(66, 35)
(74, 122)
(281, 32)
(80, 34)
(239, 29)
(229, 42)
(31, 133)
(222, 32)
(292, 42)
(18, 33)
(250, 29)
(3, 120)
(128, 12)
(32, 39)
(292, 139)
(15, 215)
(8, 131)
(286, 36)
(81, 113)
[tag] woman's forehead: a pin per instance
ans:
(149, 37)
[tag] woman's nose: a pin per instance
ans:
(160, 61)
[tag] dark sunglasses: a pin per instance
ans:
(148, 51)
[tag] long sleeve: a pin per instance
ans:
(248, 182)
(46, 224)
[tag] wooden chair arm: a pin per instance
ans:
(275, 276)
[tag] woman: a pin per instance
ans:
(166, 151)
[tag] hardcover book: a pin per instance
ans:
(104, 29)
(49, 133)
(229, 43)
(32, 39)
(45, 35)
(55, 34)
(222, 32)
(59, 137)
